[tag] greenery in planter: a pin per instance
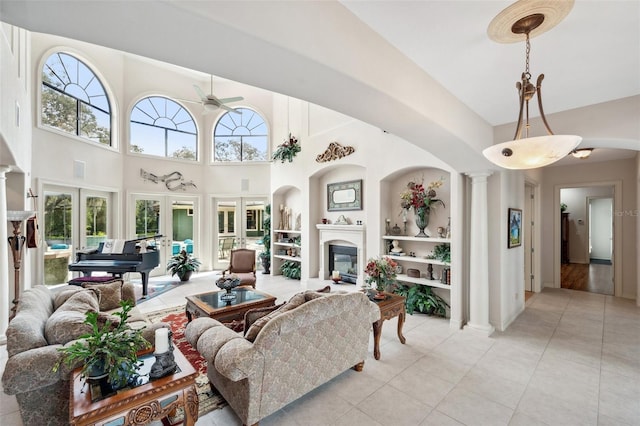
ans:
(265, 256)
(183, 264)
(442, 252)
(287, 150)
(563, 207)
(291, 269)
(110, 348)
(422, 299)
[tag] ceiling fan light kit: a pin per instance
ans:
(529, 18)
(582, 153)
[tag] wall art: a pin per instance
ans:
(344, 196)
(514, 228)
(335, 151)
(173, 181)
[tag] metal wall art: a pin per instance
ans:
(173, 181)
(335, 151)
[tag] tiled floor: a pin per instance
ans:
(572, 358)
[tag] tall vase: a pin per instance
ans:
(422, 220)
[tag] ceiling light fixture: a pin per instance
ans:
(529, 18)
(582, 153)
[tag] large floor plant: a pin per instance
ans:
(422, 299)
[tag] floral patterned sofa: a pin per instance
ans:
(43, 317)
(306, 342)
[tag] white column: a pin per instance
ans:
(479, 255)
(4, 257)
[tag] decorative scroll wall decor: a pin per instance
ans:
(335, 151)
(173, 181)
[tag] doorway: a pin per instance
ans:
(238, 225)
(173, 217)
(74, 218)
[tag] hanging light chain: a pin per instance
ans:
(528, 50)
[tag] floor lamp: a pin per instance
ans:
(16, 243)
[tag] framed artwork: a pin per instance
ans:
(344, 196)
(514, 228)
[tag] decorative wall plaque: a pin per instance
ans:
(335, 151)
(173, 181)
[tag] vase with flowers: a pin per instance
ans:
(423, 200)
(381, 272)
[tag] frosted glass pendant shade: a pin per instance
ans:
(531, 153)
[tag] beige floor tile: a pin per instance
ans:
(318, 407)
(521, 419)
(619, 397)
(484, 382)
(355, 386)
(355, 417)
(512, 362)
(436, 418)
(541, 406)
(392, 407)
(473, 409)
(423, 384)
(443, 367)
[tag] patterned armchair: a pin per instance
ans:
(243, 265)
(293, 353)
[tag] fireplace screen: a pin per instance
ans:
(345, 260)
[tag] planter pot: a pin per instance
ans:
(266, 265)
(185, 276)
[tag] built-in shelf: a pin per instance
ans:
(420, 239)
(284, 257)
(422, 281)
(288, 231)
(286, 244)
(418, 260)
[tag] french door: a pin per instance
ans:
(238, 224)
(73, 218)
(173, 217)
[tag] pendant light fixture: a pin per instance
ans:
(582, 153)
(526, 19)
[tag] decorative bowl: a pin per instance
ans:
(228, 283)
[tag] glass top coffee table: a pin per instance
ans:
(213, 305)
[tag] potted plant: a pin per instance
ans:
(287, 150)
(381, 273)
(109, 351)
(265, 256)
(183, 265)
(291, 269)
(421, 298)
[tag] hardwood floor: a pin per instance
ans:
(594, 278)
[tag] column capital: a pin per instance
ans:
(479, 174)
(4, 169)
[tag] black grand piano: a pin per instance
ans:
(130, 260)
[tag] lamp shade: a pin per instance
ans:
(19, 215)
(531, 153)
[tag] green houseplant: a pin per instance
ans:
(265, 256)
(183, 265)
(110, 349)
(287, 150)
(291, 269)
(422, 299)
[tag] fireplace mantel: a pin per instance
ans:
(352, 234)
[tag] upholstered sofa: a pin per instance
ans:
(296, 350)
(43, 395)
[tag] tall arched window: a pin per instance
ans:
(161, 127)
(74, 99)
(240, 137)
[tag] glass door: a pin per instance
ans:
(238, 225)
(173, 217)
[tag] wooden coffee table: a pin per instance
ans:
(392, 306)
(211, 304)
(142, 404)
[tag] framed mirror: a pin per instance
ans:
(344, 196)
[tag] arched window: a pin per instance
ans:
(161, 127)
(74, 99)
(240, 137)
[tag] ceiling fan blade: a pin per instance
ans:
(200, 92)
(230, 109)
(229, 100)
(190, 101)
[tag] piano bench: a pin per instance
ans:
(94, 280)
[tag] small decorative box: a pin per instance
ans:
(413, 273)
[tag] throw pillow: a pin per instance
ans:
(311, 294)
(64, 295)
(110, 294)
(254, 314)
(259, 324)
(67, 322)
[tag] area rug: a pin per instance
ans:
(209, 400)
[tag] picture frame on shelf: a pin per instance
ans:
(342, 196)
(514, 228)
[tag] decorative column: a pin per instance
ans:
(4, 256)
(479, 255)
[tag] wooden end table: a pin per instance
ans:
(142, 404)
(213, 306)
(392, 306)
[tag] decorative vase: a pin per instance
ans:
(227, 284)
(422, 220)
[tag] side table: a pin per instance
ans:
(139, 405)
(392, 306)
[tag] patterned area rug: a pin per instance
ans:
(209, 400)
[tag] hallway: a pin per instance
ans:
(594, 277)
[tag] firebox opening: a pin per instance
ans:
(345, 260)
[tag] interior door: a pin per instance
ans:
(173, 217)
(527, 225)
(238, 225)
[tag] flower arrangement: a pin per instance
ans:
(287, 150)
(416, 196)
(381, 272)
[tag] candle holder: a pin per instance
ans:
(165, 362)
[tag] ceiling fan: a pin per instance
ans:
(211, 102)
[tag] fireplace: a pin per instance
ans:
(345, 260)
(350, 236)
